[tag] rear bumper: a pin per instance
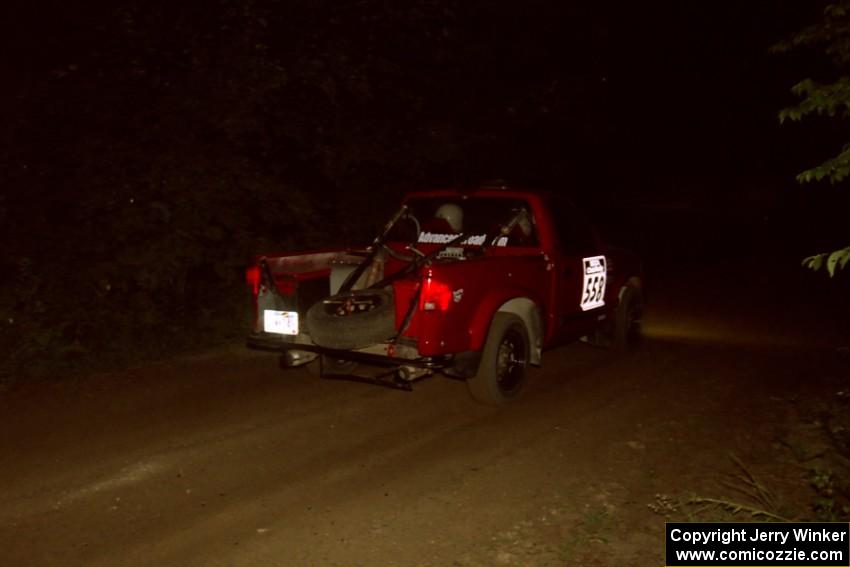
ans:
(281, 344)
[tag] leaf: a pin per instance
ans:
(845, 258)
(813, 262)
(831, 262)
(835, 260)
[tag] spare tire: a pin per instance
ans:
(351, 320)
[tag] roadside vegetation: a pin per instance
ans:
(825, 95)
(808, 475)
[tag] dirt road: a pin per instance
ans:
(223, 459)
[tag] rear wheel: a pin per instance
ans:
(501, 373)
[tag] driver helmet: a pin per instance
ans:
(452, 214)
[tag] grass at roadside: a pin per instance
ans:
(39, 356)
(815, 465)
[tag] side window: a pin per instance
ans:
(575, 234)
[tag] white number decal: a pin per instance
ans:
(593, 292)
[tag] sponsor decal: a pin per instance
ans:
(438, 238)
(593, 289)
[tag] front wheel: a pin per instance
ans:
(627, 331)
(501, 372)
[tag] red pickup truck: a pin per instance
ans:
(473, 284)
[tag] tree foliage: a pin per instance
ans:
(831, 36)
(831, 261)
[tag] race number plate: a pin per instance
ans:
(593, 290)
(281, 322)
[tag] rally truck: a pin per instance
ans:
(471, 284)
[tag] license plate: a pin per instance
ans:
(281, 322)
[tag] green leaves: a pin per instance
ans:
(833, 261)
(832, 36)
(835, 169)
(824, 99)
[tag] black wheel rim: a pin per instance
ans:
(510, 361)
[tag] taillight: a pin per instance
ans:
(436, 296)
(252, 279)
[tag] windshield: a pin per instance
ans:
(441, 219)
